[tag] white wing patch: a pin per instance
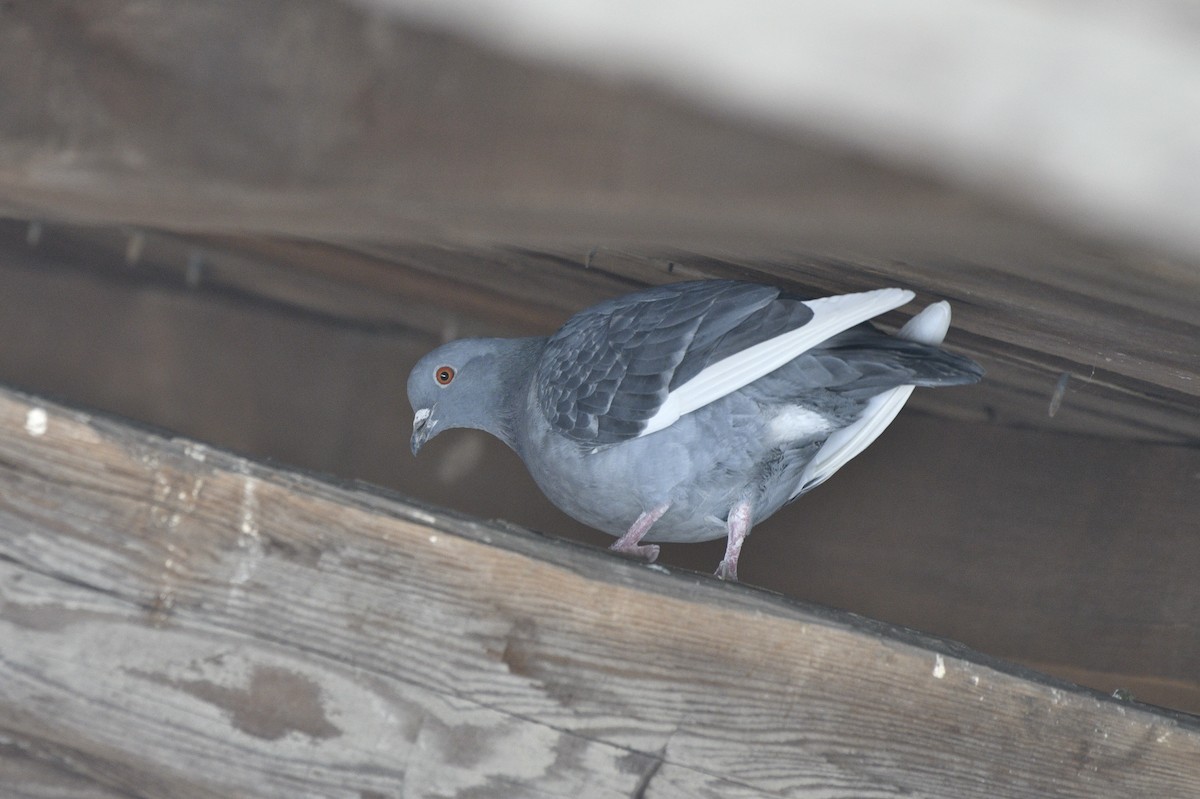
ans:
(831, 315)
(927, 327)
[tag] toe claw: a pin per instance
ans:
(646, 552)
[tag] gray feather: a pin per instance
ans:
(611, 367)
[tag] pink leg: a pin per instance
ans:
(629, 544)
(738, 525)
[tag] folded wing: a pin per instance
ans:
(634, 365)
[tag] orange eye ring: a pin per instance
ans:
(443, 375)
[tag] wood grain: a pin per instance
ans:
(181, 622)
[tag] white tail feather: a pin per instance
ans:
(927, 327)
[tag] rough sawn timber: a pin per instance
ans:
(179, 622)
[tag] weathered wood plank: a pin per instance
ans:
(30, 772)
(181, 622)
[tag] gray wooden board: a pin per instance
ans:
(181, 622)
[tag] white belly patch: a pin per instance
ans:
(794, 423)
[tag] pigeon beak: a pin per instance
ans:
(422, 428)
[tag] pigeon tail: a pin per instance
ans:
(928, 327)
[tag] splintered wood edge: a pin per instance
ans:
(570, 618)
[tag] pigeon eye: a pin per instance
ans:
(444, 375)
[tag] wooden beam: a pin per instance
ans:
(322, 119)
(1134, 372)
(177, 621)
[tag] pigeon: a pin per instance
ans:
(691, 411)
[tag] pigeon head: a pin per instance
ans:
(474, 382)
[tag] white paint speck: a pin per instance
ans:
(162, 486)
(36, 422)
(939, 667)
(245, 568)
(249, 541)
(421, 516)
(433, 539)
(249, 508)
(197, 452)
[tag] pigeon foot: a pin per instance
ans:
(630, 543)
(738, 527)
(646, 552)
